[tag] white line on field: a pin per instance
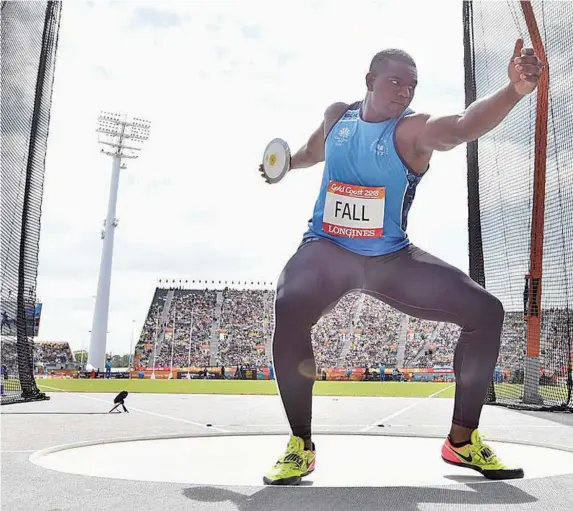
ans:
(401, 411)
(177, 419)
(443, 425)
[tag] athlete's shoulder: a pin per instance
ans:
(407, 134)
(336, 109)
(415, 119)
(410, 126)
(334, 113)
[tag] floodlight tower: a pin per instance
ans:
(122, 138)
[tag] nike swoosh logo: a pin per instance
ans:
(469, 458)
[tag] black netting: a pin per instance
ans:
(501, 184)
(29, 41)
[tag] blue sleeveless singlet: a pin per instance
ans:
(367, 189)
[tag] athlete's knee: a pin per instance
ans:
(293, 304)
(285, 306)
(487, 309)
(494, 310)
(292, 347)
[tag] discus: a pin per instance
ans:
(276, 160)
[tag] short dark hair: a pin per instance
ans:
(382, 58)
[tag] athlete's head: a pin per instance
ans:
(391, 82)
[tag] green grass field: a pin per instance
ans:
(246, 387)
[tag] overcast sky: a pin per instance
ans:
(218, 80)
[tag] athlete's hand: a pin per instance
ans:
(524, 69)
(263, 175)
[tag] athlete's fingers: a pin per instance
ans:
(526, 60)
(527, 51)
(263, 174)
(529, 69)
(529, 78)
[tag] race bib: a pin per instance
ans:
(352, 211)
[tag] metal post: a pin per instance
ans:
(190, 336)
(173, 339)
(131, 345)
(96, 354)
(117, 132)
(155, 347)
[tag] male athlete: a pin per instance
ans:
(376, 152)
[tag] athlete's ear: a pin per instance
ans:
(369, 81)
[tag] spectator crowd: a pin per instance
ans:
(245, 325)
(52, 353)
(360, 331)
(233, 327)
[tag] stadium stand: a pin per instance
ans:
(233, 327)
(52, 353)
(359, 332)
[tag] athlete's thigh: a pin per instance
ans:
(317, 276)
(423, 286)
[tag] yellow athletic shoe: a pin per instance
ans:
(293, 465)
(478, 456)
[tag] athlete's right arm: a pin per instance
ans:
(313, 151)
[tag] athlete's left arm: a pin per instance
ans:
(445, 133)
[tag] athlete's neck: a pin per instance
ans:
(369, 114)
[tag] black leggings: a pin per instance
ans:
(410, 280)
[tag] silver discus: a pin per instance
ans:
(276, 160)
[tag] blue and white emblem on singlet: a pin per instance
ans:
(367, 189)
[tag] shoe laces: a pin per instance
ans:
(484, 451)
